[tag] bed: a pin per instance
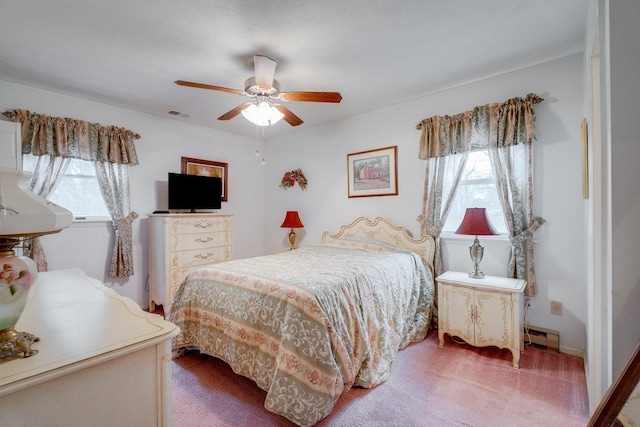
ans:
(308, 324)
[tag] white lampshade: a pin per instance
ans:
(24, 213)
(263, 114)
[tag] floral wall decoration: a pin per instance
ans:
(290, 178)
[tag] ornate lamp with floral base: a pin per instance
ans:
(17, 274)
(23, 215)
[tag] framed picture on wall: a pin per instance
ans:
(373, 172)
(191, 166)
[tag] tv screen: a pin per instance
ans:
(194, 192)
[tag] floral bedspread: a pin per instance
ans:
(308, 324)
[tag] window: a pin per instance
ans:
(78, 190)
(477, 190)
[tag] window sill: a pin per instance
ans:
(92, 218)
(90, 221)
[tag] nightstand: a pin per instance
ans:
(482, 312)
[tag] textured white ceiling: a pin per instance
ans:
(375, 53)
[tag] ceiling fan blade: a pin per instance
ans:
(289, 117)
(210, 87)
(311, 96)
(265, 69)
(234, 112)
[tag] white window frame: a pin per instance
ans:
(500, 226)
(78, 218)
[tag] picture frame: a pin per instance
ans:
(191, 166)
(373, 172)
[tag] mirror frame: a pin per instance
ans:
(606, 414)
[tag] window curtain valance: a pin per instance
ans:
(506, 131)
(491, 125)
(72, 138)
(109, 148)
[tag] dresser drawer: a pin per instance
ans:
(188, 242)
(198, 225)
(176, 276)
(200, 256)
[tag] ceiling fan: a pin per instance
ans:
(263, 90)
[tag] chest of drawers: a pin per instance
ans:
(180, 243)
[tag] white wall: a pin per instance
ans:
(624, 145)
(612, 105)
(164, 141)
(321, 153)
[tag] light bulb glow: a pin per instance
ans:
(263, 114)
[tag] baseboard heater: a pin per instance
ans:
(543, 338)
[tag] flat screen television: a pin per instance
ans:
(194, 192)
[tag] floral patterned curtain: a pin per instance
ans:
(65, 137)
(442, 177)
(506, 130)
(110, 148)
(113, 179)
(47, 175)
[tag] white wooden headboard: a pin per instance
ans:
(382, 229)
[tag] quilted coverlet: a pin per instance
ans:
(308, 324)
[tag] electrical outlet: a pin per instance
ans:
(528, 305)
(556, 308)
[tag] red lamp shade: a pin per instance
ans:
(292, 220)
(476, 223)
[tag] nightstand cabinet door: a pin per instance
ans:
(456, 311)
(494, 319)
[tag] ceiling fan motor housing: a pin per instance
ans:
(253, 89)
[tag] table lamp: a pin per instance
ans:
(292, 220)
(23, 215)
(476, 223)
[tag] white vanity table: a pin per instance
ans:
(102, 361)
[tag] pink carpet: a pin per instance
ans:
(457, 385)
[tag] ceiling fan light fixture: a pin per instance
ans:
(262, 89)
(262, 113)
